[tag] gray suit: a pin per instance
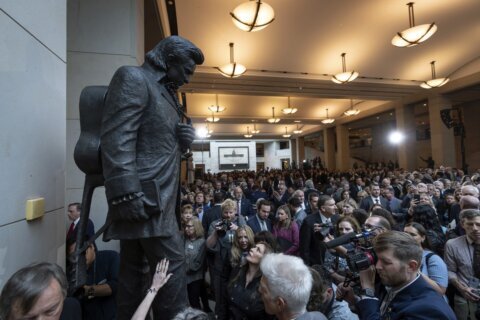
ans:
(141, 153)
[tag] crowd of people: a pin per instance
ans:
(375, 243)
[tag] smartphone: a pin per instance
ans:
(416, 197)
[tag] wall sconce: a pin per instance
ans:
(434, 83)
(328, 120)
(415, 34)
(233, 69)
(289, 109)
(252, 16)
(345, 76)
(273, 119)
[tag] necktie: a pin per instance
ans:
(264, 226)
(476, 260)
(70, 230)
(376, 201)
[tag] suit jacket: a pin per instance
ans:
(417, 301)
(212, 214)
(395, 205)
(246, 209)
(255, 225)
(140, 150)
(367, 203)
(312, 249)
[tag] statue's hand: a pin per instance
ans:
(132, 210)
(185, 134)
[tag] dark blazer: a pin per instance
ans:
(141, 151)
(417, 301)
(255, 225)
(212, 214)
(395, 205)
(246, 209)
(367, 203)
(312, 249)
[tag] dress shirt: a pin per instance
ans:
(262, 223)
(458, 257)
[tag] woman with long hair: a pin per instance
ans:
(346, 199)
(243, 241)
(195, 262)
(433, 268)
(286, 231)
(243, 296)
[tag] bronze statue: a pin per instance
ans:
(143, 136)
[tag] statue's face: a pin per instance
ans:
(180, 69)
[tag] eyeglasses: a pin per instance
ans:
(369, 226)
(189, 226)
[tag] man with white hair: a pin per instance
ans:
(285, 287)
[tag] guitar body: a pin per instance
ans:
(88, 159)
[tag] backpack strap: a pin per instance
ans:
(427, 258)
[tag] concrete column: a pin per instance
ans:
(329, 143)
(442, 138)
(406, 153)
(300, 150)
(343, 148)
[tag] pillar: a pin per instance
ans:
(442, 138)
(405, 120)
(343, 148)
(329, 143)
(300, 150)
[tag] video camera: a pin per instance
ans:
(361, 256)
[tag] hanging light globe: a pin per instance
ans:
(253, 16)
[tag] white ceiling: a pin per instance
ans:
(301, 49)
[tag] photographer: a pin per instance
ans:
(219, 242)
(406, 294)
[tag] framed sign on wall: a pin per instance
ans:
(233, 158)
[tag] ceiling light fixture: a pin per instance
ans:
(216, 107)
(212, 118)
(351, 111)
(286, 135)
(273, 119)
(248, 135)
(415, 34)
(298, 131)
(233, 69)
(345, 76)
(252, 16)
(255, 131)
(434, 83)
(328, 120)
(289, 109)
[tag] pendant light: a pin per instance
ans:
(345, 76)
(351, 111)
(248, 135)
(233, 69)
(216, 108)
(415, 34)
(212, 118)
(255, 131)
(286, 135)
(434, 82)
(328, 120)
(273, 119)
(252, 16)
(298, 131)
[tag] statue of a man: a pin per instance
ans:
(142, 140)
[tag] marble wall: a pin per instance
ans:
(32, 144)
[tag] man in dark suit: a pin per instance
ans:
(214, 213)
(356, 187)
(260, 221)
(312, 248)
(143, 137)
(74, 210)
(374, 198)
(394, 205)
(409, 295)
(244, 206)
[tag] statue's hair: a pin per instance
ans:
(171, 48)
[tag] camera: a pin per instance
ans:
(326, 229)
(224, 225)
(361, 256)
